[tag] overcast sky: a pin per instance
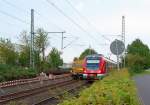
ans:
(104, 17)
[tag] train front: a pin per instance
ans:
(93, 67)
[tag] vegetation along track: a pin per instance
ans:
(36, 90)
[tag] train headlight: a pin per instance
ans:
(99, 71)
(84, 71)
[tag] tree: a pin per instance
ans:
(137, 47)
(138, 55)
(24, 55)
(54, 59)
(41, 42)
(87, 52)
(75, 59)
(136, 62)
(8, 55)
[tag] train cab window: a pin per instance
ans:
(92, 64)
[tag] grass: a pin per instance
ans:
(116, 89)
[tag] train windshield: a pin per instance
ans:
(92, 64)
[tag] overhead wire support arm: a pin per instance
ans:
(62, 38)
(14, 17)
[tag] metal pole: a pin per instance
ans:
(117, 56)
(32, 39)
(62, 38)
(31, 42)
(123, 37)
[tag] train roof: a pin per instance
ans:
(101, 55)
(95, 55)
(110, 60)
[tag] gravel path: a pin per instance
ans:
(143, 86)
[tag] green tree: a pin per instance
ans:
(41, 42)
(87, 52)
(137, 47)
(136, 62)
(24, 55)
(8, 55)
(75, 59)
(138, 55)
(54, 59)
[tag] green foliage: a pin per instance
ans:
(137, 47)
(7, 52)
(116, 89)
(75, 59)
(138, 56)
(24, 55)
(16, 62)
(54, 59)
(41, 42)
(87, 52)
(136, 63)
(8, 72)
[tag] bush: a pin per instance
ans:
(8, 73)
(136, 63)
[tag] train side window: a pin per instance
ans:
(106, 66)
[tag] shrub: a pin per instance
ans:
(136, 63)
(8, 73)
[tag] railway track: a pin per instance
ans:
(29, 84)
(13, 96)
(53, 100)
(26, 81)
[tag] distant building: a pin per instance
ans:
(66, 66)
(18, 47)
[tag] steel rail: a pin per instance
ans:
(25, 93)
(53, 98)
(26, 81)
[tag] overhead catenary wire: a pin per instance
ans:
(70, 19)
(14, 6)
(85, 19)
(71, 42)
(23, 10)
(14, 17)
(48, 21)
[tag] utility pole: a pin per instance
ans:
(32, 40)
(62, 41)
(123, 38)
(118, 67)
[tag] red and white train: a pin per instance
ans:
(97, 66)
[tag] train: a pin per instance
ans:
(77, 69)
(92, 67)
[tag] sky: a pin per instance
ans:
(84, 21)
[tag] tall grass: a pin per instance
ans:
(116, 89)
